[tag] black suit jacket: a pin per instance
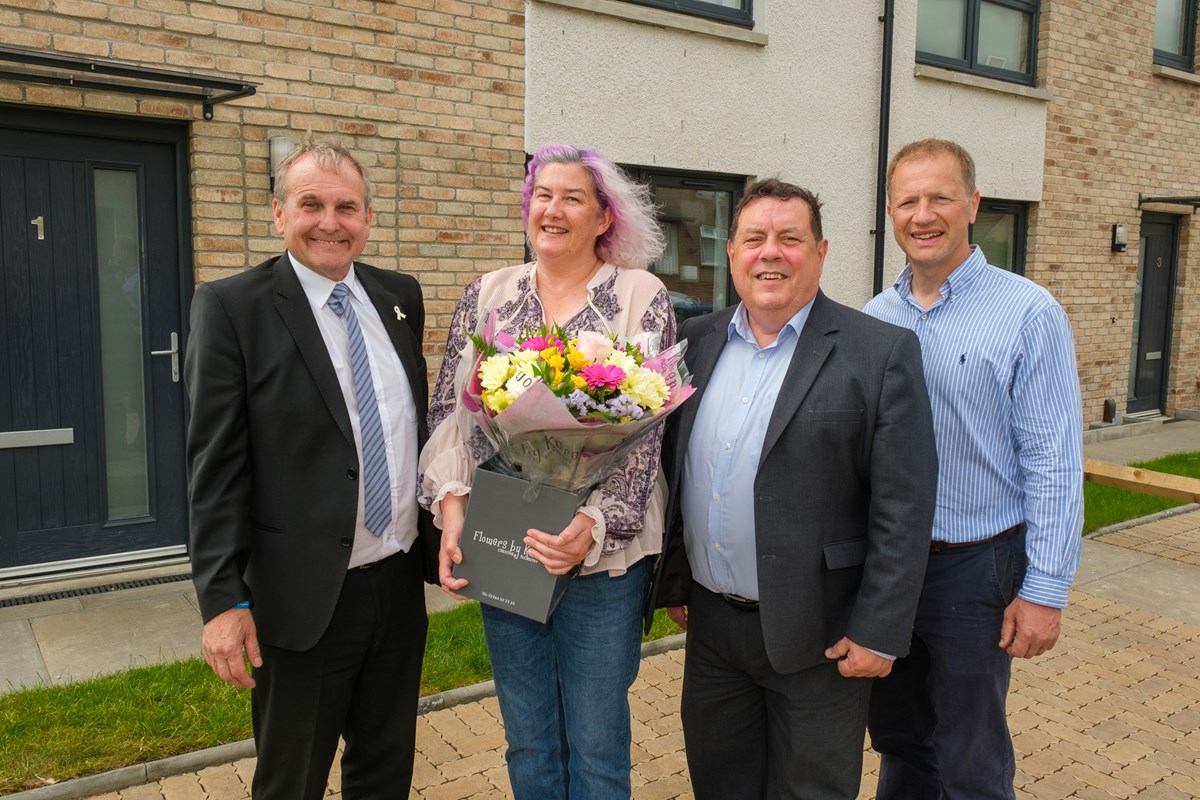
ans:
(845, 489)
(272, 465)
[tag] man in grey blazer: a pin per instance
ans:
(802, 493)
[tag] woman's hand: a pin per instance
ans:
(562, 552)
(454, 511)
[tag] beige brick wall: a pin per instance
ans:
(1113, 129)
(429, 94)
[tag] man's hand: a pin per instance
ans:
(1029, 629)
(229, 639)
(678, 615)
(560, 553)
(858, 662)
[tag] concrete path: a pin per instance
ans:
(1112, 712)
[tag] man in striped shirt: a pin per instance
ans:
(999, 360)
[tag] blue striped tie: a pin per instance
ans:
(377, 494)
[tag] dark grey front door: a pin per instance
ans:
(91, 419)
(1153, 305)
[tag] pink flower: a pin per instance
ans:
(599, 376)
(505, 342)
(540, 343)
(535, 343)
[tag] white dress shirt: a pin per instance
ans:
(397, 412)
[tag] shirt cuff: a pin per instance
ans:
(1045, 590)
(888, 656)
(598, 530)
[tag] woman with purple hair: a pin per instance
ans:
(563, 685)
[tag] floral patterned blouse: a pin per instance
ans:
(633, 304)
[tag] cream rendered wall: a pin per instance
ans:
(804, 108)
(1002, 127)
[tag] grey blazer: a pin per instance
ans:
(845, 489)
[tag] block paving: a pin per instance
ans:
(1112, 712)
(1176, 537)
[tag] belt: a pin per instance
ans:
(372, 564)
(739, 602)
(936, 546)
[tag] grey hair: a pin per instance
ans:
(328, 155)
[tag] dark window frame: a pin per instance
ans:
(699, 8)
(1186, 60)
(1020, 211)
(967, 64)
(656, 178)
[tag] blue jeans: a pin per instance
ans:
(938, 721)
(563, 688)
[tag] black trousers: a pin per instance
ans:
(361, 681)
(756, 734)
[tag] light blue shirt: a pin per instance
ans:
(999, 362)
(724, 451)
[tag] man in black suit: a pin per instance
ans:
(308, 392)
(802, 491)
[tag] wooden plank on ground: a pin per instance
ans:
(1146, 481)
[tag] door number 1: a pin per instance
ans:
(39, 222)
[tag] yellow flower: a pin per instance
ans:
(552, 357)
(494, 371)
(579, 382)
(498, 400)
(577, 360)
(646, 387)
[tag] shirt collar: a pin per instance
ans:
(958, 281)
(318, 288)
(740, 324)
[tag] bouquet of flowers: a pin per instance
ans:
(563, 411)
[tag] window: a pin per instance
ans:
(999, 230)
(1175, 34)
(694, 212)
(997, 38)
(738, 12)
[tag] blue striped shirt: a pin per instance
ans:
(999, 362)
(721, 463)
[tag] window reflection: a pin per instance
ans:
(999, 230)
(694, 216)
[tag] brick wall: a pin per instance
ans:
(429, 94)
(1113, 129)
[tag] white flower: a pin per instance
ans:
(619, 358)
(595, 346)
(520, 382)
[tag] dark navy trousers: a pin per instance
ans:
(939, 720)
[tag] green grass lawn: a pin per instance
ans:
(1106, 505)
(61, 732)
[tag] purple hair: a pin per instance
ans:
(633, 239)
